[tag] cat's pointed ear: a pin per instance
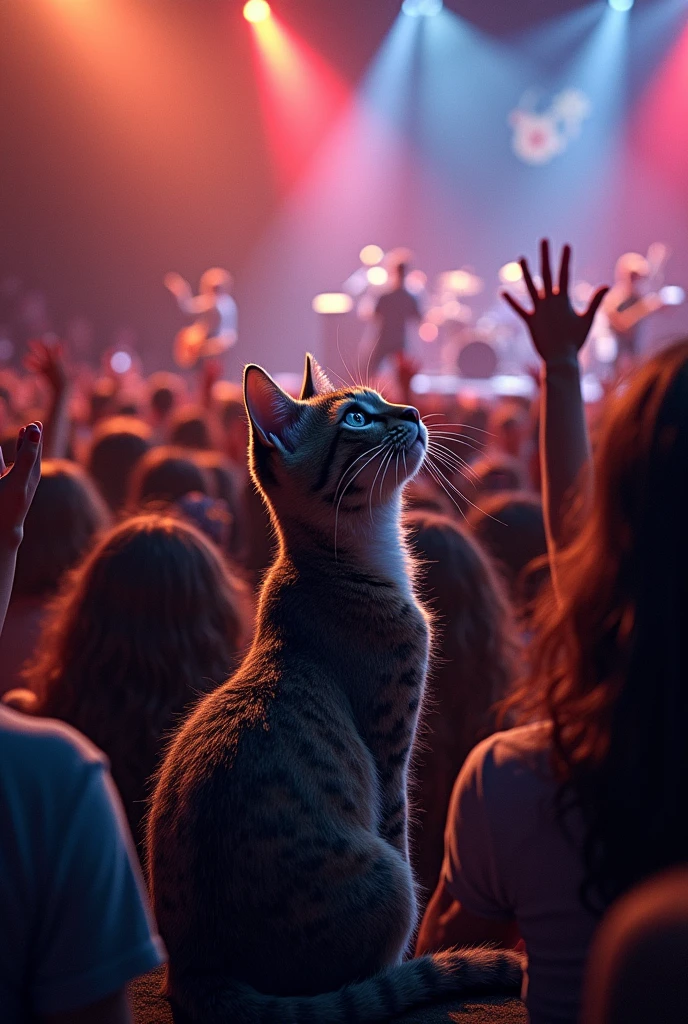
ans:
(315, 380)
(272, 412)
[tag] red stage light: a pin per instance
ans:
(256, 10)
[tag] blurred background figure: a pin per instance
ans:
(635, 296)
(215, 330)
(394, 311)
(473, 665)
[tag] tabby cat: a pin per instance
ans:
(278, 845)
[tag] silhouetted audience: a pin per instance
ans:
(151, 621)
(552, 821)
(64, 520)
(118, 444)
(473, 665)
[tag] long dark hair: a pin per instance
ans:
(610, 659)
(473, 665)
(149, 622)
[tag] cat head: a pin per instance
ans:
(334, 456)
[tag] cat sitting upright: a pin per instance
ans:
(278, 845)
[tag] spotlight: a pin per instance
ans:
(377, 276)
(332, 302)
(621, 5)
(121, 362)
(422, 8)
(256, 10)
(428, 332)
(510, 273)
(370, 255)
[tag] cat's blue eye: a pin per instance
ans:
(356, 418)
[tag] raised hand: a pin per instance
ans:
(49, 362)
(176, 284)
(557, 330)
(18, 485)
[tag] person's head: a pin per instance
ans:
(509, 426)
(473, 617)
(117, 445)
(216, 281)
(231, 414)
(227, 492)
(165, 390)
(65, 517)
(399, 274)
(510, 527)
(189, 428)
(164, 475)
(148, 622)
(610, 661)
(472, 665)
(102, 399)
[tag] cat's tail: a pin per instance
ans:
(386, 995)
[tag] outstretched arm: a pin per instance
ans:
(558, 333)
(186, 300)
(17, 487)
(48, 361)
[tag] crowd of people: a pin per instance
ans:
(549, 775)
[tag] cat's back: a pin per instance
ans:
(263, 754)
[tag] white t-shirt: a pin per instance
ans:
(507, 857)
(74, 920)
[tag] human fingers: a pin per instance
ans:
(516, 306)
(546, 268)
(29, 443)
(595, 304)
(527, 277)
(564, 270)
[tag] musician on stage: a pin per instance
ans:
(214, 331)
(635, 296)
(393, 312)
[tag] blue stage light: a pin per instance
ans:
(621, 5)
(422, 8)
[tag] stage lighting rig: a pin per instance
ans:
(422, 8)
(621, 5)
(256, 10)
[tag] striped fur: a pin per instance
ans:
(278, 842)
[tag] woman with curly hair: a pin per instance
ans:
(149, 622)
(472, 667)
(553, 820)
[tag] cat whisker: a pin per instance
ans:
(376, 451)
(452, 467)
(372, 487)
(370, 451)
(459, 438)
(451, 457)
(435, 475)
(464, 426)
(463, 496)
(388, 463)
(339, 351)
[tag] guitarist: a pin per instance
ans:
(214, 330)
(636, 295)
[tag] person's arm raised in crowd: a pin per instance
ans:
(49, 362)
(17, 487)
(558, 334)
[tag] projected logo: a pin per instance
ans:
(541, 135)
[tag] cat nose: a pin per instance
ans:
(411, 414)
